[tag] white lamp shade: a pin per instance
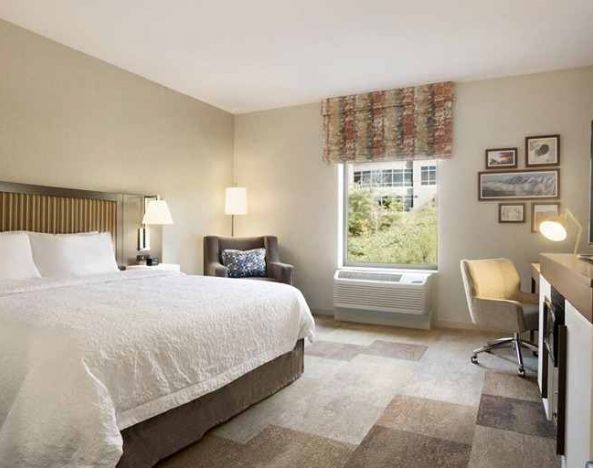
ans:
(553, 230)
(236, 201)
(157, 212)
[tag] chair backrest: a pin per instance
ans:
(240, 243)
(495, 278)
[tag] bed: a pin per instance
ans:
(127, 368)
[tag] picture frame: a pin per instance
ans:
(540, 211)
(520, 184)
(542, 150)
(501, 158)
(511, 213)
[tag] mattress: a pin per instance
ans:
(82, 359)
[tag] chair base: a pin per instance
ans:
(514, 341)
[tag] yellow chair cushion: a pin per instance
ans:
(494, 278)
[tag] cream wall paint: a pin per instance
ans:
(294, 195)
(69, 120)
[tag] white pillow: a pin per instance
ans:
(16, 258)
(66, 255)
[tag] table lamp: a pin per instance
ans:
(156, 213)
(554, 228)
(235, 204)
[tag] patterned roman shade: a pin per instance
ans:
(398, 124)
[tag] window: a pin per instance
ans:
(384, 178)
(390, 214)
(428, 175)
(402, 177)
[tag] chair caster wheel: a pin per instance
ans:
(521, 372)
(474, 359)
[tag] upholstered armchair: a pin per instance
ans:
(276, 270)
(495, 301)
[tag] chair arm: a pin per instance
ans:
(501, 314)
(216, 269)
(281, 272)
(527, 298)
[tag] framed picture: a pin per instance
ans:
(511, 212)
(542, 150)
(542, 211)
(501, 158)
(519, 184)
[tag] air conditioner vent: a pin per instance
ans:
(398, 292)
(363, 275)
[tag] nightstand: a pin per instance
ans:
(160, 266)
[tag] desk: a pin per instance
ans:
(535, 269)
(566, 281)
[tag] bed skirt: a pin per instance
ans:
(148, 442)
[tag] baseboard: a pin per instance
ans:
(373, 317)
(439, 324)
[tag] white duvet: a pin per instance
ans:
(82, 359)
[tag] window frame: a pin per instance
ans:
(386, 266)
(431, 175)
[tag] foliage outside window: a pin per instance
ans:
(391, 214)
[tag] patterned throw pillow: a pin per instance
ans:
(245, 263)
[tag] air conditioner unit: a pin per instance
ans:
(387, 297)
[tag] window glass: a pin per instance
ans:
(391, 215)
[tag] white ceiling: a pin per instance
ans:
(246, 55)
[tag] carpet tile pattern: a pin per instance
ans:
(515, 415)
(384, 397)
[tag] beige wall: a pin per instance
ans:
(69, 120)
(293, 195)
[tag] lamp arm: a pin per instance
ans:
(579, 226)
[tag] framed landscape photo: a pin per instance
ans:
(540, 211)
(501, 158)
(542, 150)
(524, 184)
(511, 212)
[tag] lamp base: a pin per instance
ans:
(143, 239)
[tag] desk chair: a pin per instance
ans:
(495, 301)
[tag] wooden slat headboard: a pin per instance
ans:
(61, 211)
(56, 215)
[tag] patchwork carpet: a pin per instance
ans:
(388, 397)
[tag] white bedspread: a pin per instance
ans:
(84, 358)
